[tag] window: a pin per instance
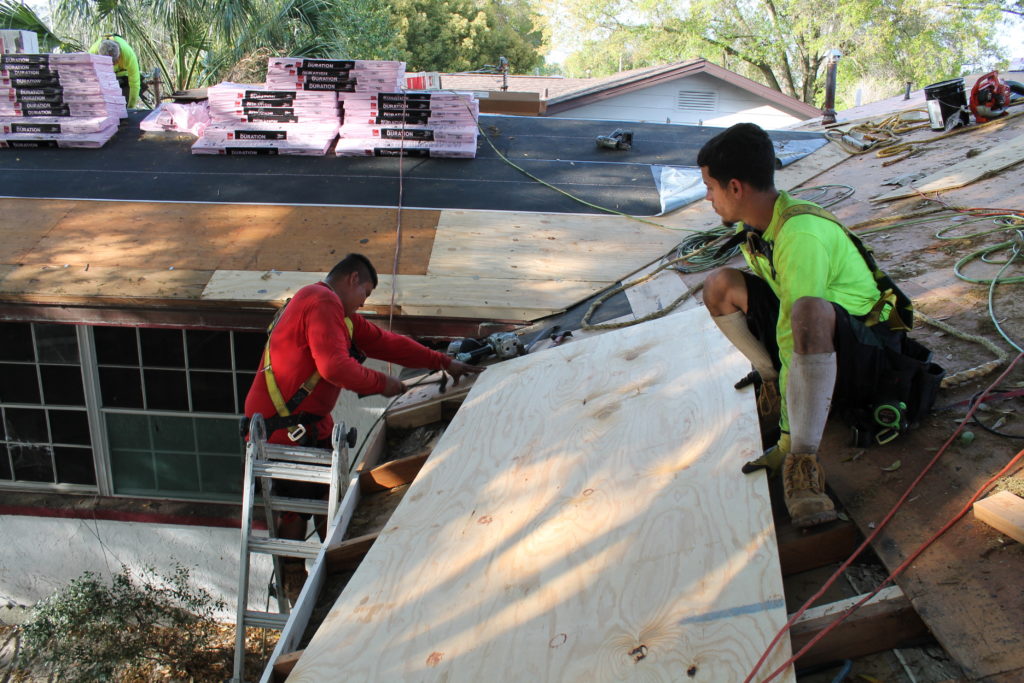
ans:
(45, 437)
(698, 101)
(123, 410)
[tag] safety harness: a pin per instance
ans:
(299, 425)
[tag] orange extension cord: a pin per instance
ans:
(913, 556)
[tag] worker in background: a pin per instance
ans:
(810, 316)
(126, 65)
(316, 348)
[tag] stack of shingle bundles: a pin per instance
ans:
(58, 100)
(432, 124)
(254, 119)
(337, 75)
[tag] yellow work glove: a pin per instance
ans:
(771, 459)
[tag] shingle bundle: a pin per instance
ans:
(58, 100)
(336, 75)
(256, 119)
(430, 124)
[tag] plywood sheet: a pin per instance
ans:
(81, 284)
(965, 172)
(536, 246)
(212, 236)
(421, 295)
(583, 518)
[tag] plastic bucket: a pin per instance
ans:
(945, 101)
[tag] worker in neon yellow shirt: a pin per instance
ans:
(126, 65)
(814, 314)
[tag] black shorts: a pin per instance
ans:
(864, 355)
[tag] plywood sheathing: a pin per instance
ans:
(582, 518)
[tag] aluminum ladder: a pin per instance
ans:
(269, 462)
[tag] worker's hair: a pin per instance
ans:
(744, 152)
(111, 49)
(354, 263)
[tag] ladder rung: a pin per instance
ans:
(293, 472)
(284, 546)
(265, 619)
(307, 506)
(297, 454)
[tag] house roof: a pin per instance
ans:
(562, 94)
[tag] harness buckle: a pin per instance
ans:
(297, 432)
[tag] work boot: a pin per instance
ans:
(293, 576)
(772, 459)
(769, 401)
(803, 489)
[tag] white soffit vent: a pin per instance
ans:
(698, 101)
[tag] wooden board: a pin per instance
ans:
(109, 285)
(212, 236)
(985, 165)
(544, 247)
(419, 295)
(584, 517)
(1003, 512)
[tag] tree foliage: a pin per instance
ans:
(784, 43)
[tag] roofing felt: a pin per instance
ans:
(147, 167)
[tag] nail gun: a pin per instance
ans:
(619, 139)
(501, 344)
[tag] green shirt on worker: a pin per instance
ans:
(812, 256)
(126, 65)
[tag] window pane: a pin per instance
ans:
(249, 349)
(177, 473)
(5, 463)
(25, 424)
(219, 436)
(243, 382)
(222, 474)
(62, 385)
(32, 463)
(18, 383)
(173, 434)
(115, 345)
(121, 387)
(162, 348)
(70, 426)
(128, 431)
(166, 390)
(132, 471)
(74, 465)
(213, 392)
(57, 344)
(209, 349)
(16, 341)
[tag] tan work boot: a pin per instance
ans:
(803, 489)
(293, 576)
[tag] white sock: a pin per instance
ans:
(812, 378)
(734, 327)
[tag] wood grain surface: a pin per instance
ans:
(583, 518)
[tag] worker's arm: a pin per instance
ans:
(396, 348)
(329, 343)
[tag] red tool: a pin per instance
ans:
(989, 97)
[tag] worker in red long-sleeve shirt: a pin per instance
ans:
(316, 349)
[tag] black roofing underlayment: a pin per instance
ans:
(159, 167)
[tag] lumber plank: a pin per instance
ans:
(284, 665)
(985, 165)
(349, 553)
(391, 474)
(1004, 512)
(887, 621)
(803, 549)
(429, 295)
(658, 292)
(84, 283)
(192, 236)
(583, 517)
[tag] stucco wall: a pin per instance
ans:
(40, 554)
(660, 104)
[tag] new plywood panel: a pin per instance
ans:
(536, 246)
(583, 518)
(983, 166)
(425, 295)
